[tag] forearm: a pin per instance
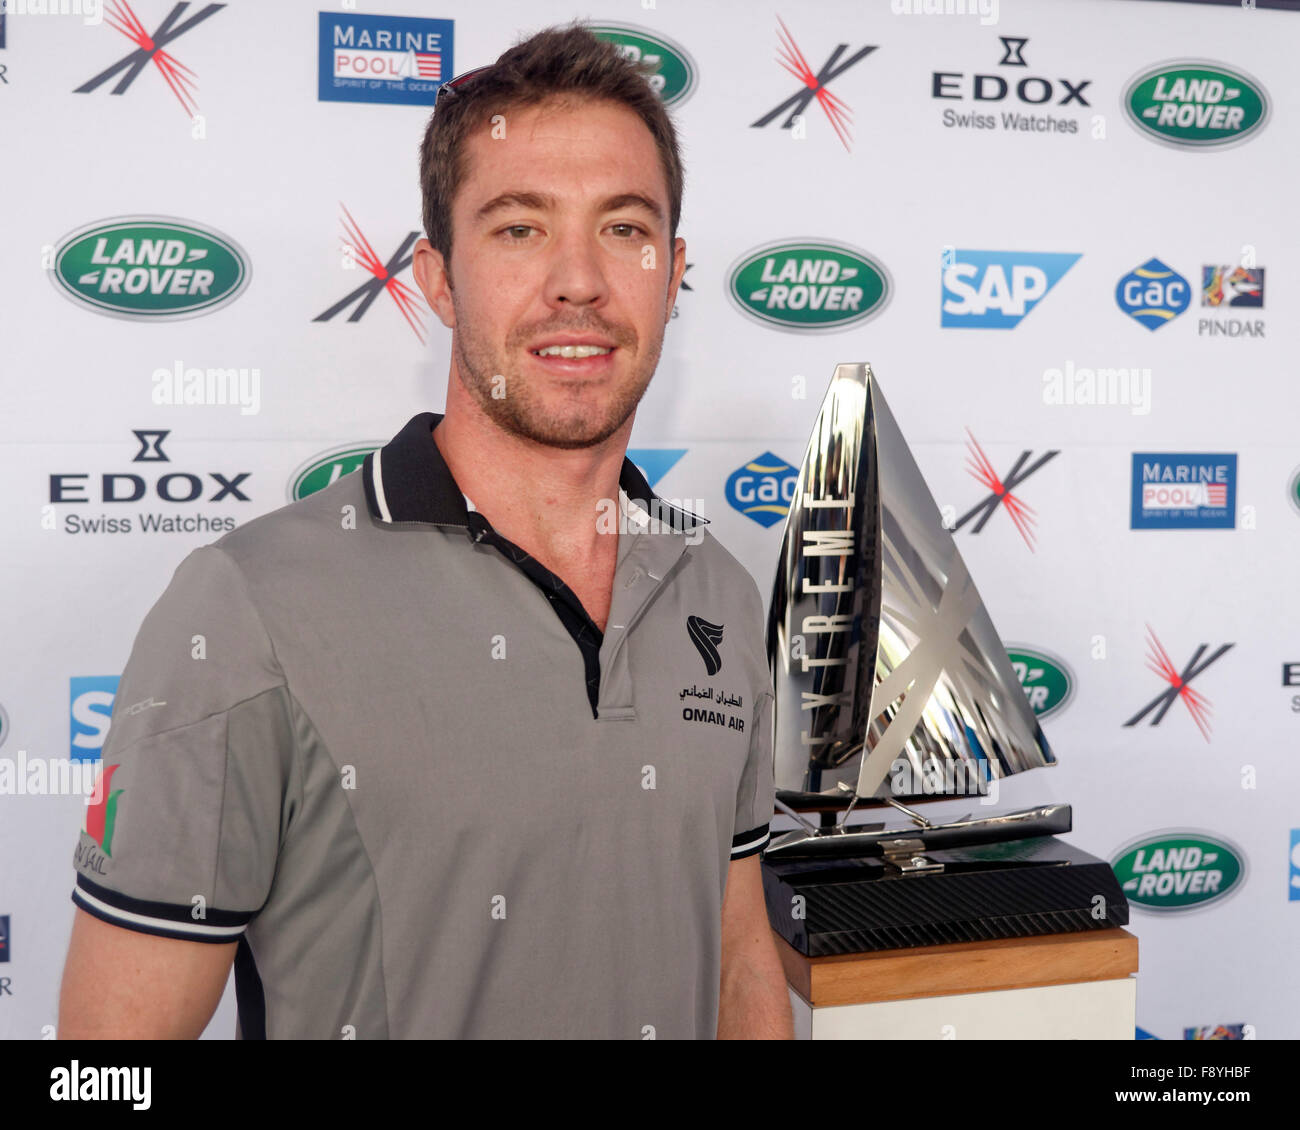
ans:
(754, 1003)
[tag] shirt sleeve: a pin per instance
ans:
(182, 835)
(756, 794)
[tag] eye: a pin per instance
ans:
(629, 231)
(516, 228)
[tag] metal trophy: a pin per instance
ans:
(892, 688)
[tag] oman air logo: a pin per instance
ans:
(383, 277)
(101, 817)
(994, 290)
(150, 268)
(1047, 681)
(1178, 870)
(1153, 294)
(706, 637)
(325, 470)
(672, 71)
(762, 489)
(808, 286)
(1179, 680)
(1196, 104)
(149, 49)
(813, 85)
(1022, 515)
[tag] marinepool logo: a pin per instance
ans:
(394, 59)
(1178, 870)
(150, 268)
(762, 489)
(1293, 489)
(1184, 491)
(1047, 681)
(994, 290)
(326, 469)
(673, 71)
(1196, 104)
(808, 286)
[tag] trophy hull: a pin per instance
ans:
(1014, 889)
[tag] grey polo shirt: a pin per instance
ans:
(391, 755)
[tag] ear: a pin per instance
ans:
(679, 269)
(431, 276)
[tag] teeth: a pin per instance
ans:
(571, 351)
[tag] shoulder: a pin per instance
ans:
(301, 526)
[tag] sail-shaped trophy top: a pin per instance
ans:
(889, 676)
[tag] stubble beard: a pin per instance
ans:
(517, 409)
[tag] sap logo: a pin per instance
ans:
(655, 462)
(1153, 294)
(994, 290)
(1293, 888)
(92, 712)
(762, 489)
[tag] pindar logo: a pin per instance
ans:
(706, 637)
(101, 817)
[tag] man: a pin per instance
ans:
(474, 742)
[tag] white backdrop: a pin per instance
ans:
(253, 154)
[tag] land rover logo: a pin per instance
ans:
(150, 268)
(324, 470)
(1194, 103)
(674, 71)
(808, 286)
(1178, 870)
(1047, 680)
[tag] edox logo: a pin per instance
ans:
(706, 637)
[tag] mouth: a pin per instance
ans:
(581, 359)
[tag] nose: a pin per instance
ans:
(575, 276)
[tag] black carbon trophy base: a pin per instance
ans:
(1004, 890)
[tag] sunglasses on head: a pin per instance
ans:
(449, 87)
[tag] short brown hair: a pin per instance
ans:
(567, 62)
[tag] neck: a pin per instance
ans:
(544, 499)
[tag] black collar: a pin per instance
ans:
(414, 483)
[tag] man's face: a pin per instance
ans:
(561, 240)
